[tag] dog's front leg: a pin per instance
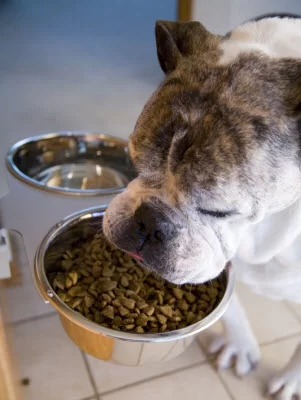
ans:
(287, 384)
(238, 341)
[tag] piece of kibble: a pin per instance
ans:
(124, 281)
(212, 292)
(76, 291)
(68, 283)
(107, 271)
(117, 320)
(183, 305)
(149, 310)
(205, 297)
(166, 310)
(89, 300)
(106, 297)
(129, 327)
(128, 303)
(142, 320)
(161, 318)
(190, 317)
(123, 311)
(108, 287)
(73, 275)
(108, 312)
(190, 298)
(178, 293)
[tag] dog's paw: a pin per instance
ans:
(245, 354)
(286, 386)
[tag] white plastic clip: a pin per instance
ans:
(5, 254)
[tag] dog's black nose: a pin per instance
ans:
(152, 224)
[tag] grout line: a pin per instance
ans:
(293, 311)
(224, 384)
(291, 336)
(152, 378)
(34, 318)
(90, 398)
(91, 377)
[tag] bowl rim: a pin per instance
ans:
(49, 296)
(21, 176)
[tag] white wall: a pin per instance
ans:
(220, 16)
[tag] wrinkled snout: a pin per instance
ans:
(146, 232)
(142, 223)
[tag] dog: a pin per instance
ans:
(217, 149)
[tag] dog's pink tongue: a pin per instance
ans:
(135, 255)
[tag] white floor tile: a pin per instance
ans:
(253, 387)
(110, 376)
(269, 319)
(296, 307)
(49, 359)
(197, 383)
(24, 301)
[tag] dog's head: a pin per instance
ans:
(216, 149)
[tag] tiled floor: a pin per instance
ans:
(59, 371)
(72, 65)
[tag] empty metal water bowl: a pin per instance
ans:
(75, 163)
(104, 343)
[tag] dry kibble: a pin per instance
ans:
(190, 317)
(106, 297)
(149, 310)
(117, 320)
(89, 301)
(107, 271)
(128, 303)
(212, 292)
(116, 302)
(166, 310)
(108, 287)
(178, 293)
(205, 297)
(96, 271)
(73, 275)
(68, 283)
(124, 281)
(75, 302)
(183, 305)
(108, 312)
(123, 311)
(142, 320)
(161, 318)
(77, 291)
(129, 327)
(191, 298)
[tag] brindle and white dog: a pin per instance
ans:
(218, 152)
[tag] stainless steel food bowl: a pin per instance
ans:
(104, 343)
(73, 163)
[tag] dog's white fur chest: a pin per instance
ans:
(269, 259)
(275, 37)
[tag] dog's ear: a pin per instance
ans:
(176, 40)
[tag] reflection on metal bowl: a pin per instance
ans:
(72, 163)
(101, 342)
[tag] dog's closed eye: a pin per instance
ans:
(217, 214)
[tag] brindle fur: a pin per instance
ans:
(215, 136)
